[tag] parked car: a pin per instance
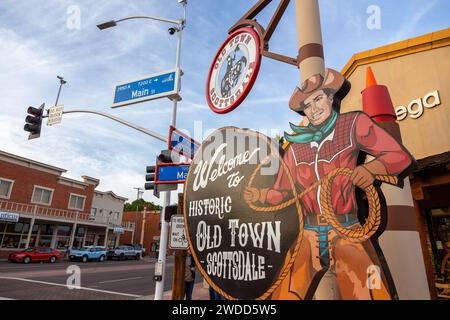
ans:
(35, 254)
(88, 253)
(124, 252)
(137, 247)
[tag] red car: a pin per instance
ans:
(37, 254)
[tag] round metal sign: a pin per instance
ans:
(234, 70)
(243, 252)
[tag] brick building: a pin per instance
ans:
(40, 207)
(150, 226)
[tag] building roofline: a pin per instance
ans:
(111, 194)
(92, 181)
(81, 183)
(422, 43)
(32, 162)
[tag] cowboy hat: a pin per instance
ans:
(333, 81)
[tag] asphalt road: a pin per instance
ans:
(109, 280)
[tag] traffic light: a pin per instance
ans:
(165, 157)
(150, 180)
(34, 121)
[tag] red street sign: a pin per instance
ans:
(182, 144)
(234, 70)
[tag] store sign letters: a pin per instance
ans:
(416, 108)
(9, 217)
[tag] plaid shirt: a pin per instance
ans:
(308, 162)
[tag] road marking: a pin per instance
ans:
(65, 286)
(118, 280)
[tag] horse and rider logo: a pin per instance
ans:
(234, 70)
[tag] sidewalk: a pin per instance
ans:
(200, 293)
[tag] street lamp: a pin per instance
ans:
(179, 27)
(180, 24)
(107, 25)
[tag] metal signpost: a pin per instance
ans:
(182, 144)
(178, 240)
(156, 86)
(55, 115)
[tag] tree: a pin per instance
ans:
(138, 205)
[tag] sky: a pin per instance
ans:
(42, 39)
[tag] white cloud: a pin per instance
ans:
(411, 25)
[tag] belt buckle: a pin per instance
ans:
(321, 220)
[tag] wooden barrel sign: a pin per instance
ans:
(241, 252)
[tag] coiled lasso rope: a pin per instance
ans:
(356, 234)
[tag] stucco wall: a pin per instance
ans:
(408, 78)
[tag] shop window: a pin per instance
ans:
(42, 195)
(5, 188)
(77, 242)
(90, 239)
(32, 242)
(80, 232)
(11, 241)
(45, 241)
(35, 229)
(62, 243)
(46, 229)
(76, 202)
(64, 231)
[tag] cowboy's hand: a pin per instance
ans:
(362, 177)
(251, 195)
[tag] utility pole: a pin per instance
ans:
(138, 196)
(143, 226)
(159, 290)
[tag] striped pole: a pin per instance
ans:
(400, 241)
(309, 33)
(311, 62)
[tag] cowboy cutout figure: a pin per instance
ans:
(333, 140)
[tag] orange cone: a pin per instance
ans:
(377, 102)
(370, 78)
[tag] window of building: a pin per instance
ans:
(64, 231)
(93, 212)
(5, 188)
(116, 215)
(42, 195)
(76, 202)
(14, 235)
(80, 232)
